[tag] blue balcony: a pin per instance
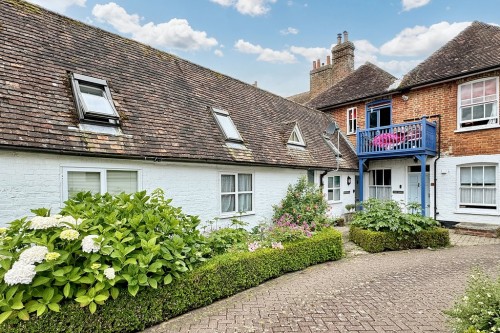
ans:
(407, 139)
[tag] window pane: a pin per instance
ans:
(96, 101)
(477, 176)
(330, 182)
(227, 203)
(337, 181)
(465, 177)
(477, 195)
(466, 113)
(387, 177)
(294, 137)
(245, 202)
(227, 183)
(330, 195)
(477, 89)
(465, 195)
(489, 196)
(82, 182)
(490, 87)
(121, 181)
(227, 126)
(490, 110)
(336, 195)
(379, 177)
(372, 191)
(244, 182)
(489, 175)
(478, 111)
(466, 93)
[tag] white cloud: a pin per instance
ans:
(265, 54)
(420, 40)
(176, 33)
(219, 53)
(59, 6)
(412, 4)
(289, 31)
(311, 53)
(248, 7)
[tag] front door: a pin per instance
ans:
(414, 190)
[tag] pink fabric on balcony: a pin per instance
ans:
(388, 140)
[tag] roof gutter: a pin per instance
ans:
(412, 87)
(153, 158)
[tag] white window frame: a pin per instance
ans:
(334, 188)
(103, 177)
(84, 113)
(474, 207)
(352, 123)
(222, 113)
(300, 141)
(460, 106)
(376, 187)
(236, 193)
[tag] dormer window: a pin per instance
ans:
(227, 126)
(296, 137)
(93, 100)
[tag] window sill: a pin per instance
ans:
(476, 128)
(354, 133)
(469, 211)
(233, 215)
(333, 202)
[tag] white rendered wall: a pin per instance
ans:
(34, 180)
(448, 185)
(347, 194)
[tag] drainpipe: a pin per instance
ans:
(435, 167)
(321, 177)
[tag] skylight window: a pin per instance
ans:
(93, 100)
(226, 125)
(296, 137)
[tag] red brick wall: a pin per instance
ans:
(437, 99)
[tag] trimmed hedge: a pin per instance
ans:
(219, 277)
(378, 241)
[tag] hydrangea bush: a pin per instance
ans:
(99, 246)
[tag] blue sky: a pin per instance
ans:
(274, 42)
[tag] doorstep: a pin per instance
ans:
(478, 229)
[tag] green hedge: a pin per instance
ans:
(378, 241)
(219, 277)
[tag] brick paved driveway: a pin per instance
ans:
(388, 292)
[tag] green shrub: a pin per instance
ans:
(386, 215)
(219, 277)
(378, 241)
(225, 239)
(304, 203)
(99, 247)
(479, 309)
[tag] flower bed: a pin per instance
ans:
(219, 277)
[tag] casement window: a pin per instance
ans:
(478, 187)
(351, 120)
(296, 137)
(93, 100)
(478, 103)
(99, 181)
(227, 125)
(380, 184)
(333, 189)
(236, 190)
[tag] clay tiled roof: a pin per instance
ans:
(162, 99)
(368, 80)
(301, 98)
(476, 48)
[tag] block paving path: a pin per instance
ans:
(403, 291)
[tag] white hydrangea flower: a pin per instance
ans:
(109, 273)
(69, 234)
(34, 254)
(44, 222)
(20, 273)
(89, 245)
(67, 219)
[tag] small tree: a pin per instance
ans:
(304, 202)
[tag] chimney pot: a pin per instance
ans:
(346, 36)
(314, 64)
(328, 62)
(339, 39)
(318, 64)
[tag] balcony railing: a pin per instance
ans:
(418, 137)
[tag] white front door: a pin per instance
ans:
(414, 190)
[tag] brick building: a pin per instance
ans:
(432, 137)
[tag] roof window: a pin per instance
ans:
(226, 125)
(296, 137)
(93, 100)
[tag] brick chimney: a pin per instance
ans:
(323, 77)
